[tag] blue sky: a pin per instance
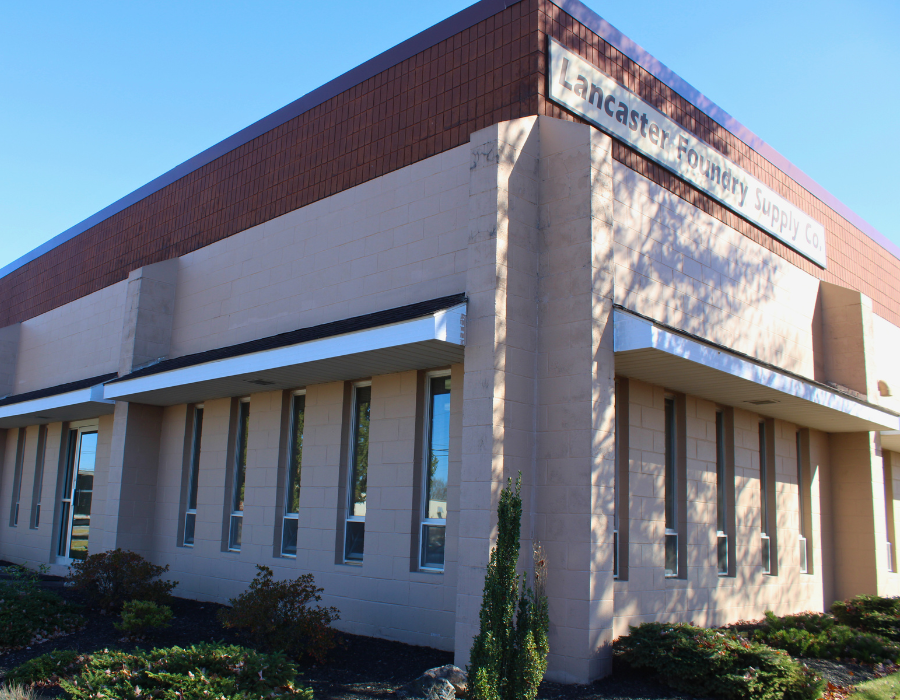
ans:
(98, 98)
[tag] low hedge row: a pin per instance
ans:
(716, 663)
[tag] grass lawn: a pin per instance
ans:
(886, 688)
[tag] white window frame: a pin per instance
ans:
(424, 520)
(18, 473)
(235, 514)
(287, 473)
(193, 470)
(65, 531)
(671, 533)
(38, 485)
(351, 455)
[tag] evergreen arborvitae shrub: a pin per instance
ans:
(509, 655)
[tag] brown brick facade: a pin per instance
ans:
(854, 259)
(432, 102)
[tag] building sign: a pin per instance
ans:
(585, 90)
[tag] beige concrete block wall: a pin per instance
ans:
(501, 319)
(687, 269)
(886, 368)
(704, 597)
(395, 240)
(78, 340)
(386, 596)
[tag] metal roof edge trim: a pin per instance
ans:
(663, 73)
(737, 354)
(425, 39)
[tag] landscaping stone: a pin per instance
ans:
(439, 683)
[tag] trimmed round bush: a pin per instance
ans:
(716, 663)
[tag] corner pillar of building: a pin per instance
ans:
(9, 356)
(859, 524)
(576, 418)
(499, 378)
(129, 483)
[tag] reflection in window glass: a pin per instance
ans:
(190, 517)
(292, 486)
(437, 461)
(82, 492)
(671, 559)
(355, 532)
(240, 471)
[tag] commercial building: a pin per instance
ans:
(513, 243)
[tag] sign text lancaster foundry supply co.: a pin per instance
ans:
(587, 91)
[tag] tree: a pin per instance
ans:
(509, 655)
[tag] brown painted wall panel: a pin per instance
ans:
(432, 102)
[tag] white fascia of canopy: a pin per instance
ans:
(655, 355)
(79, 404)
(890, 440)
(435, 340)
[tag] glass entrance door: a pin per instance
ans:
(78, 487)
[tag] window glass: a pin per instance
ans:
(190, 518)
(292, 486)
(437, 463)
(240, 469)
(355, 532)
(81, 474)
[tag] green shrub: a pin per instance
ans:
(33, 617)
(201, 672)
(716, 663)
(47, 669)
(16, 692)
(109, 579)
(820, 637)
(509, 655)
(278, 615)
(22, 580)
(140, 617)
(870, 613)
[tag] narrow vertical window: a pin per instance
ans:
(766, 540)
(355, 527)
(617, 437)
(801, 510)
(78, 487)
(292, 484)
(17, 479)
(671, 496)
(190, 514)
(721, 497)
(888, 466)
(437, 462)
(240, 472)
(38, 478)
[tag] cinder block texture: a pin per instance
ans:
(432, 102)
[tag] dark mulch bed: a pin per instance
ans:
(362, 668)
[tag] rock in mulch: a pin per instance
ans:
(440, 683)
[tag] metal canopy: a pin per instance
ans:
(658, 356)
(87, 402)
(434, 340)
